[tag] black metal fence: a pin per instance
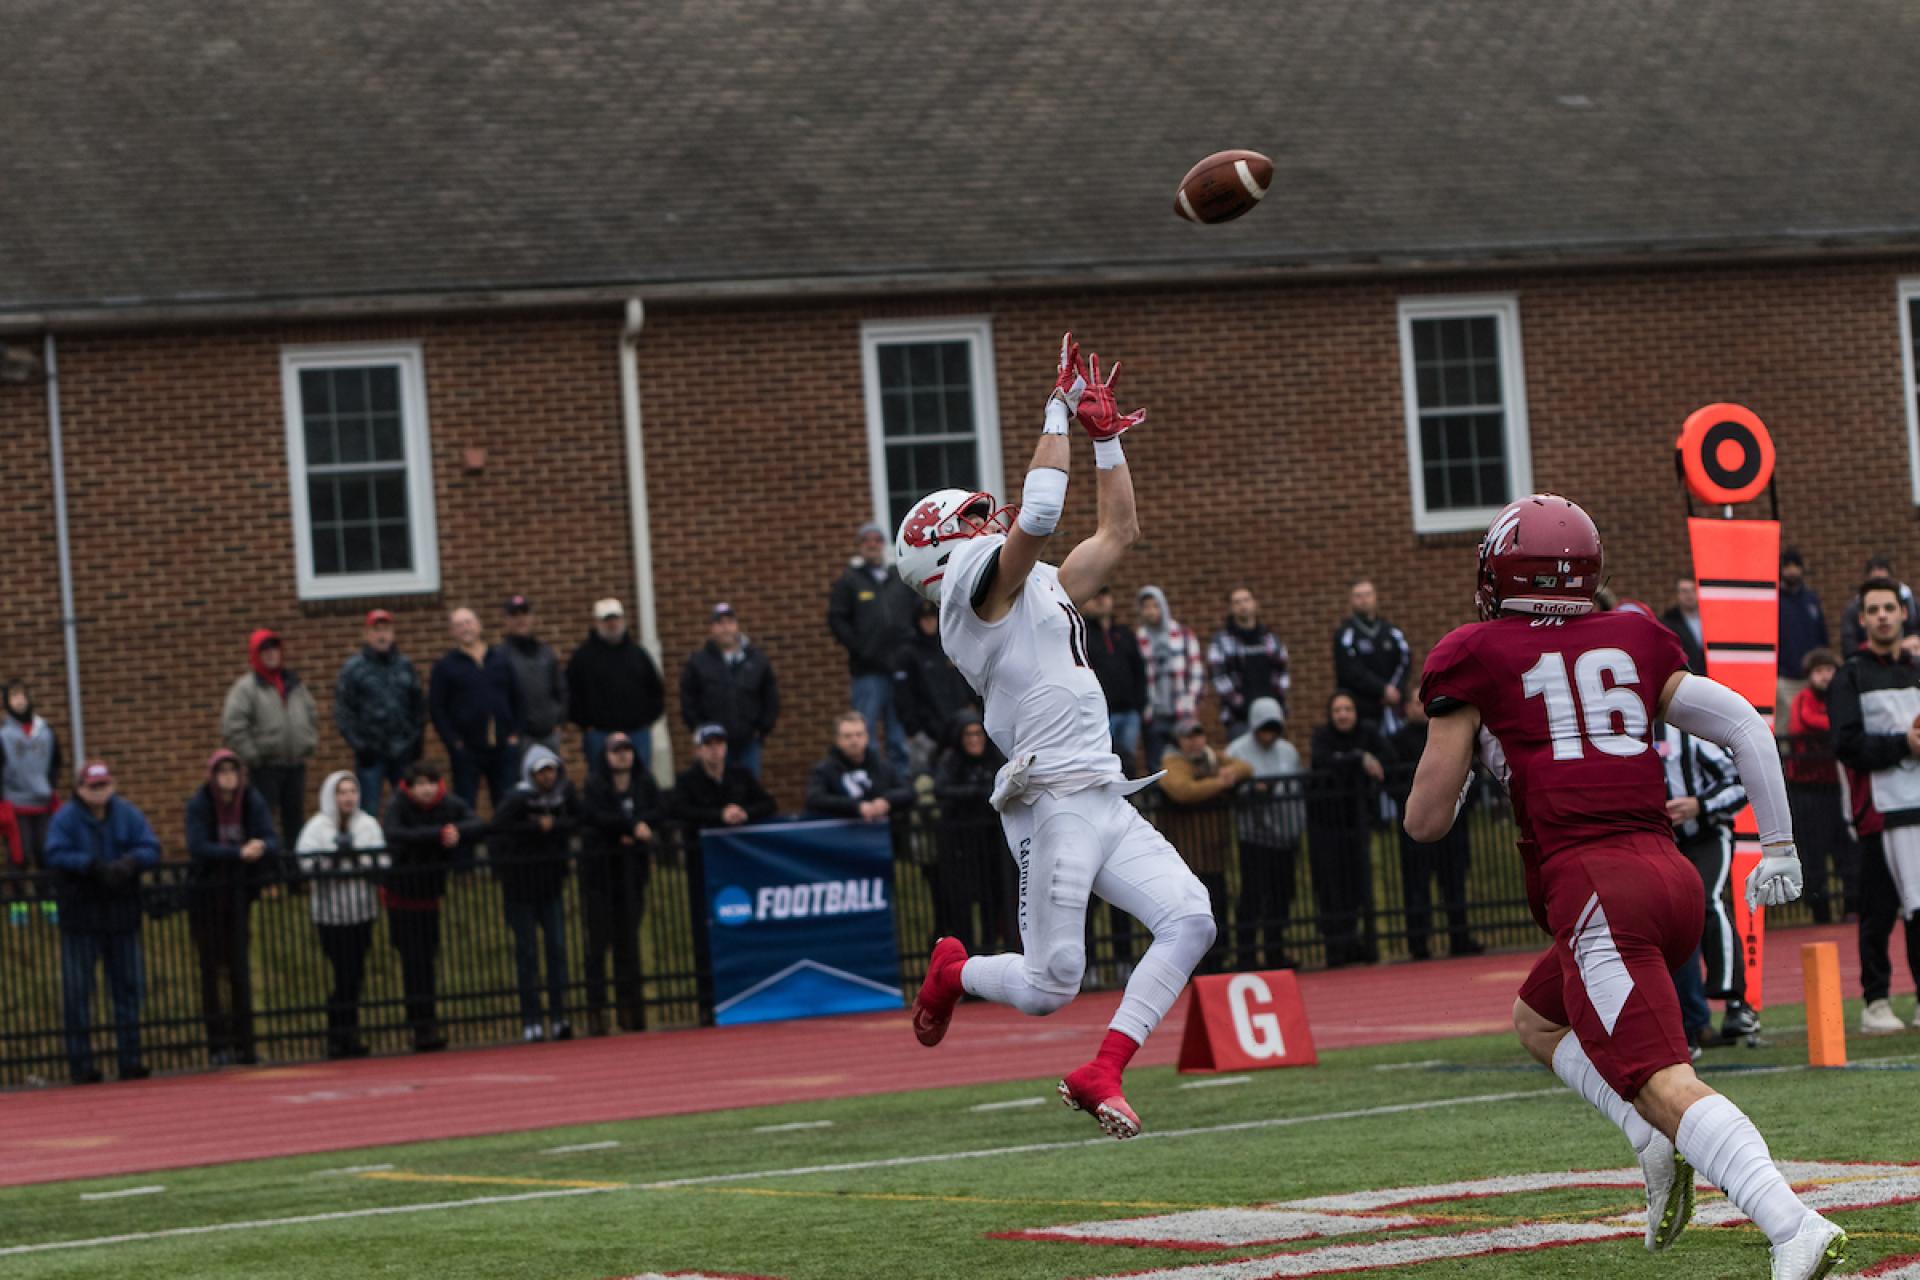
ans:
(1305, 871)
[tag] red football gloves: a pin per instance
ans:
(1097, 412)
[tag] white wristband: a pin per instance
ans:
(1057, 414)
(1107, 454)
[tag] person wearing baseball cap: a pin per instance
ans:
(613, 685)
(728, 681)
(538, 670)
(380, 709)
(97, 850)
(870, 612)
(1199, 784)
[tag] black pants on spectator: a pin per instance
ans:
(217, 918)
(1879, 908)
(1342, 885)
(345, 946)
(1721, 947)
(1421, 864)
(1266, 899)
(613, 933)
(285, 789)
(416, 936)
(1826, 848)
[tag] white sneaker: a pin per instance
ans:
(533, 1033)
(1817, 1248)
(1879, 1019)
(1669, 1193)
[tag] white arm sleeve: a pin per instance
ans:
(1710, 710)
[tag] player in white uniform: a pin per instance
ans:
(1013, 627)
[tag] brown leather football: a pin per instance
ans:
(1223, 186)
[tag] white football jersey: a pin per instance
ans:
(1031, 667)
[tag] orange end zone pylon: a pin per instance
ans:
(1826, 1016)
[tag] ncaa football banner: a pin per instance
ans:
(800, 920)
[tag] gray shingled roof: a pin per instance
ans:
(198, 152)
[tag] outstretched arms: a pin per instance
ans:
(1089, 565)
(1043, 496)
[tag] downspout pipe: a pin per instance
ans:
(69, 625)
(636, 317)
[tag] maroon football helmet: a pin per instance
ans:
(1541, 555)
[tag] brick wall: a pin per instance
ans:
(1275, 457)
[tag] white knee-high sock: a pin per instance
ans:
(1576, 1070)
(1722, 1143)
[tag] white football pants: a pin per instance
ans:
(1094, 842)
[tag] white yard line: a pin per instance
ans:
(351, 1169)
(257, 1224)
(793, 1126)
(568, 1150)
(119, 1195)
(1217, 1082)
(1010, 1104)
(1413, 1066)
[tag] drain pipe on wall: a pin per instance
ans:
(69, 625)
(636, 317)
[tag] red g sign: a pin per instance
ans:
(1239, 1021)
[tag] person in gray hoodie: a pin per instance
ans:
(29, 781)
(534, 829)
(542, 676)
(337, 847)
(1176, 672)
(1269, 815)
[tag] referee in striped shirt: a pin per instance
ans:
(1703, 795)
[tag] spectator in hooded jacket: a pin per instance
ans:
(1813, 794)
(29, 783)
(1176, 673)
(235, 849)
(870, 612)
(1349, 759)
(730, 683)
(1247, 662)
(340, 847)
(1803, 628)
(380, 709)
(536, 827)
(539, 673)
(269, 721)
(476, 707)
(972, 866)
(1371, 659)
(97, 849)
(1269, 815)
(617, 815)
(613, 686)
(1198, 819)
(928, 689)
(426, 828)
(853, 780)
(1114, 653)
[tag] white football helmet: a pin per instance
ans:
(936, 522)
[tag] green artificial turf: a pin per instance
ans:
(933, 1219)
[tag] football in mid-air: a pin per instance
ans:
(1223, 186)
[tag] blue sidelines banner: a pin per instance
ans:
(800, 920)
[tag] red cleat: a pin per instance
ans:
(933, 1007)
(1096, 1088)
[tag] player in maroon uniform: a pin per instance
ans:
(1561, 701)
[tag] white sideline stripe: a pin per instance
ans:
(352, 1168)
(1276, 1122)
(255, 1224)
(118, 1195)
(1217, 1082)
(1009, 1104)
(1412, 1066)
(569, 1149)
(797, 1124)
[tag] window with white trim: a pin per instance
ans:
(360, 470)
(1910, 361)
(1465, 393)
(933, 420)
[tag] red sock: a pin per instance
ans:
(1116, 1051)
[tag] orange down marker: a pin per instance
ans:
(1826, 1019)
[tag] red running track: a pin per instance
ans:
(254, 1113)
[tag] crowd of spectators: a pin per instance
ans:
(384, 836)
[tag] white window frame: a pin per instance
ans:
(417, 442)
(977, 331)
(1908, 291)
(1513, 394)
